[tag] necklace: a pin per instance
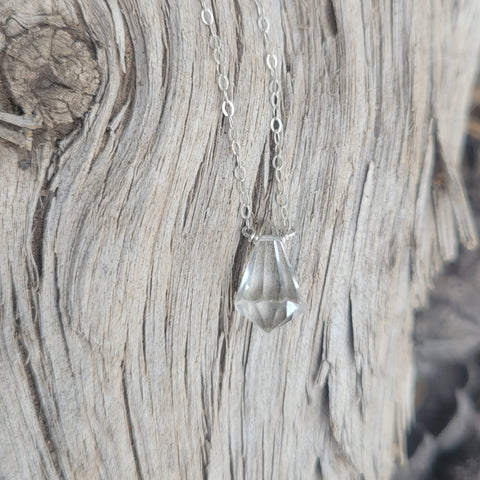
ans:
(268, 294)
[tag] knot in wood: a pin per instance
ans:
(50, 72)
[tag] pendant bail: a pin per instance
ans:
(250, 234)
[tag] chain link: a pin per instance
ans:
(228, 110)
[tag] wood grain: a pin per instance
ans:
(120, 353)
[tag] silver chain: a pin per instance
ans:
(276, 124)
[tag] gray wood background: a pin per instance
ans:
(120, 352)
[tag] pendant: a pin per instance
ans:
(269, 294)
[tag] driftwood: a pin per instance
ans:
(121, 354)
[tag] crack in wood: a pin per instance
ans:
(322, 351)
(38, 225)
(32, 383)
(60, 316)
(148, 298)
(207, 429)
(318, 469)
(330, 18)
(128, 417)
(221, 368)
(367, 181)
(239, 34)
(351, 336)
(440, 173)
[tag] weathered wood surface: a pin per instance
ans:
(120, 353)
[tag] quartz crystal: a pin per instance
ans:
(269, 295)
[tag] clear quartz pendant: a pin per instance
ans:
(269, 294)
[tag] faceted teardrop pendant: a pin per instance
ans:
(269, 295)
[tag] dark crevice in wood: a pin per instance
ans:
(330, 18)
(129, 76)
(440, 174)
(271, 169)
(237, 267)
(411, 258)
(166, 325)
(131, 436)
(284, 408)
(31, 292)
(439, 185)
(204, 470)
(351, 337)
(317, 359)
(285, 99)
(6, 101)
(60, 316)
(351, 341)
(90, 37)
(230, 463)
(164, 70)
(221, 370)
(259, 196)
(364, 182)
(33, 385)
(38, 225)
(316, 371)
(246, 347)
(52, 170)
(326, 400)
(226, 308)
(318, 469)
(187, 115)
(207, 432)
(193, 193)
(166, 76)
(239, 34)
(222, 318)
(144, 316)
